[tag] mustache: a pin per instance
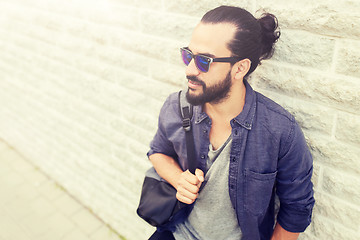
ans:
(196, 80)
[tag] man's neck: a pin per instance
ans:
(230, 107)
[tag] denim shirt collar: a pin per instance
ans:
(244, 119)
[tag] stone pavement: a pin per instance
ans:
(33, 207)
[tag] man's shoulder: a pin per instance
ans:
(276, 120)
(273, 108)
(170, 109)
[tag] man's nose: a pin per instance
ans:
(191, 69)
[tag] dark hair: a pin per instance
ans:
(254, 38)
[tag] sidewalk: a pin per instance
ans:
(33, 207)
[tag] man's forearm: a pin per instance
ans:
(166, 167)
(281, 234)
(186, 183)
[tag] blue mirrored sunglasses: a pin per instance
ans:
(203, 62)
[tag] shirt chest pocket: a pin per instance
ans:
(258, 191)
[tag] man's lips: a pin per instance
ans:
(193, 84)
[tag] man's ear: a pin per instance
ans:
(241, 68)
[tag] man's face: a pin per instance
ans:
(213, 86)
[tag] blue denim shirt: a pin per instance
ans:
(269, 156)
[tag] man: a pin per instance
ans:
(249, 148)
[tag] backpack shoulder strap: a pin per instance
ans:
(186, 112)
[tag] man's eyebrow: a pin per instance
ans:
(204, 54)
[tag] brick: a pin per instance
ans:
(127, 97)
(307, 235)
(348, 128)
(348, 58)
(300, 83)
(132, 62)
(121, 157)
(174, 53)
(112, 15)
(305, 49)
(149, 86)
(133, 135)
(144, 44)
(335, 154)
(293, 82)
(78, 36)
(311, 117)
(153, 5)
(316, 175)
(171, 77)
(342, 185)
(142, 132)
(125, 2)
(339, 211)
(198, 8)
(331, 18)
(40, 40)
(324, 228)
(168, 25)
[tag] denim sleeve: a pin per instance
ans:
(294, 186)
(160, 142)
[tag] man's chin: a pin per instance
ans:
(194, 92)
(193, 97)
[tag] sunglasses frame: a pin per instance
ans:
(208, 59)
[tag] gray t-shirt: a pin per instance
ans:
(213, 216)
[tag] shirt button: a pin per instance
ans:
(202, 156)
(233, 159)
(236, 132)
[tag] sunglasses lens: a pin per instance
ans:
(202, 63)
(186, 56)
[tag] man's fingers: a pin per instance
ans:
(191, 178)
(200, 175)
(185, 199)
(192, 188)
(189, 185)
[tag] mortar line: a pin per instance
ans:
(335, 56)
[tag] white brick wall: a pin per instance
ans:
(82, 82)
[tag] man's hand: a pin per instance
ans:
(188, 186)
(281, 234)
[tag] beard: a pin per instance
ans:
(211, 94)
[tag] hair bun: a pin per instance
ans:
(270, 34)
